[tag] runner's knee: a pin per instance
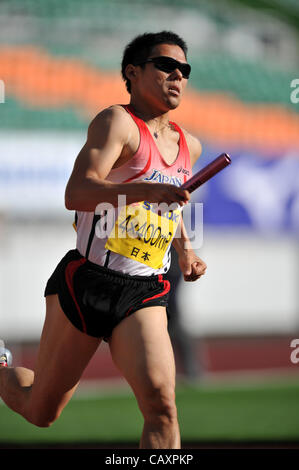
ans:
(158, 405)
(43, 416)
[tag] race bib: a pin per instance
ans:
(143, 232)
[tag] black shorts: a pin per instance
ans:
(96, 299)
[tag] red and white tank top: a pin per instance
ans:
(135, 239)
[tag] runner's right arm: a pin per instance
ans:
(108, 134)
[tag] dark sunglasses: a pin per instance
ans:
(168, 65)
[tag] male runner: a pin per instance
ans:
(112, 287)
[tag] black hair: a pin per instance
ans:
(140, 48)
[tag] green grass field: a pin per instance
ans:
(213, 412)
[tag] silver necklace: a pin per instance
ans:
(156, 135)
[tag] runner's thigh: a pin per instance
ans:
(64, 352)
(141, 348)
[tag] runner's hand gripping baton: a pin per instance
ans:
(207, 172)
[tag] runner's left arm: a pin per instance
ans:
(191, 265)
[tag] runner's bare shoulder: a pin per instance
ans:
(194, 146)
(111, 123)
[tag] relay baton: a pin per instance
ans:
(207, 172)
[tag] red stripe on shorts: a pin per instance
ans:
(69, 277)
(165, 290)
(131, 308)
